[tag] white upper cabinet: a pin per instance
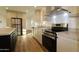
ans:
(2, 17)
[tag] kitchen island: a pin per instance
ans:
(8, 37)
(68, 41)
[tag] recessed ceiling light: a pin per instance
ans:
(6, 8)
(65, 14)
(35, 6)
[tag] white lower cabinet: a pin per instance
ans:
(38, 34)
(67, 45)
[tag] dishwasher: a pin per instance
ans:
(49, 40)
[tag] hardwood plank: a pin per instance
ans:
(27, 43)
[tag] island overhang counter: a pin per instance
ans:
(8, 37)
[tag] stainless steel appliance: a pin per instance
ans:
(60, 27)
(49, 40)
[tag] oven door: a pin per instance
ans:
(49, 42)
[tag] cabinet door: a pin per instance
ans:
(49, 43)
(13, 40)
(4, 43)
(38, 34)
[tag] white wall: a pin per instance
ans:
(72, 23)
(11, 14)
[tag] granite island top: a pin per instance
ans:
(6, 31)
(71, 34)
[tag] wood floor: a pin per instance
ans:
(27, 43)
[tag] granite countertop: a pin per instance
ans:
(72, 34)
(6, 31)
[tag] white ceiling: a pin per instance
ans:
(21, 8)
(27, 8)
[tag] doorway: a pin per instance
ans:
(17, 23)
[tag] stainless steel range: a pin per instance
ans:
(60, 27)
(49, 40)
